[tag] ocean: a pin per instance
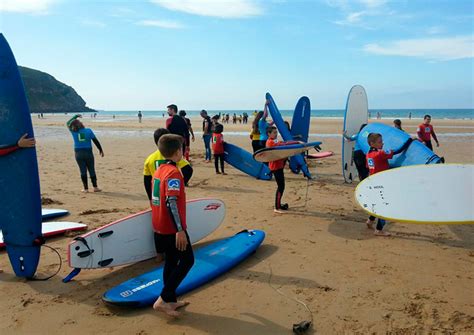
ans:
(466, 114)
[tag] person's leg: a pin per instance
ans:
(255, 145)
(81, 162)
(185, 260)
(207, 145)
(221, 156)
(429, 145)
(379, 228)
(90, 162)
(280, 180)
(216, 165)
(360, 162)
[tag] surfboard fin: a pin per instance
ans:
(70, 276)
(302, 327)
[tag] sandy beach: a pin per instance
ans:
(418, 281)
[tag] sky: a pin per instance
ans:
(130, 55)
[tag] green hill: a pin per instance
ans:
(45, 94)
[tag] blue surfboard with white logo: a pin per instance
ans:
(243, 161)
(300, 164)
(394, 139)
(20, 206)
(210, 262)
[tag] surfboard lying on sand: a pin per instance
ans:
(20, 206)
(282, 151)
(299, 164)
(319, 155)
(394, 139)
(131, 240)
(433, 194)
(52, 213)
(54, 228)
(243, 160)
(210, 262)
(356, 115)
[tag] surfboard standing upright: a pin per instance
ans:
(285, 134)
(300, 126)
(355, 116)
(20, 211)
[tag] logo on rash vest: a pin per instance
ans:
(387, 151)
(427, 129)
(174, 185)
(212, 207)
(370, 163)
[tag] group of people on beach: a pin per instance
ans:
(167, 171)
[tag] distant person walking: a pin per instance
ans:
(140, 115)
(182, 113)
(83, 138)
(206, 134)
(409, 116)
(425, 131)
(176, 124)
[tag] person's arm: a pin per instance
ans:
(68, 123)
(404, 147)
(419, 133)
(349, 138)
(434, 137)
(172, 205)
(265, 109)
(23, 142)
(191, 131)
(187, 172)
(147, 183)
(6, 149)
(97, 144)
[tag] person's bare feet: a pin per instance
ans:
(370, 224)
(225, 174)
(166, 308)
(85, 190)
(381, 233)
(179, 304)
(96, 189)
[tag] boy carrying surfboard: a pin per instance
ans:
(168, 208)
(377, 161)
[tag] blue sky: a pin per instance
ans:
(127, 55)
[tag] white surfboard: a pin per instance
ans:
(433, 194)
(131, 239)
(281, 152)
(355, 116)
(54, 228)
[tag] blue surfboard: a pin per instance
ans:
(20, 211)
(243, 161)
(210, 262)
(394, 139)
(300, 163)
(48, 214)
(283, 151)
(300, 125)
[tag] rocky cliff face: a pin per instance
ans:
(47, 95)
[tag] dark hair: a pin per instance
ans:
(182, 112)
(398, 122)
(158, 133)
(169, 144)
(426, 116)
(362, 126)
(219, 128)
(373, 137)
(287, 125)
(173, 107)
(76, 125)
(203, 112)
(270, 129)
(255, 121)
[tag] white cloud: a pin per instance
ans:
(93, 23)
(26, 6)
(351, 18)
(216, 8)
(373, 3)
(439, 49)
(161, 24)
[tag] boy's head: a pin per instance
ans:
(172, 110)
(427, 119)
(219, 128)
(158, 133)
(171, 147)
(182, 113)
(397, 123)
(272, 132)
(375, 140)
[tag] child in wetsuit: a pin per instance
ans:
(218, 147)
(277, 168)
(358, 155)
(168, 208)
(377, 161)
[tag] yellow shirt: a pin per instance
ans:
(155, 160)
(255, 136)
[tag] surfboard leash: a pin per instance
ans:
(300, 327)
(57, 271)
